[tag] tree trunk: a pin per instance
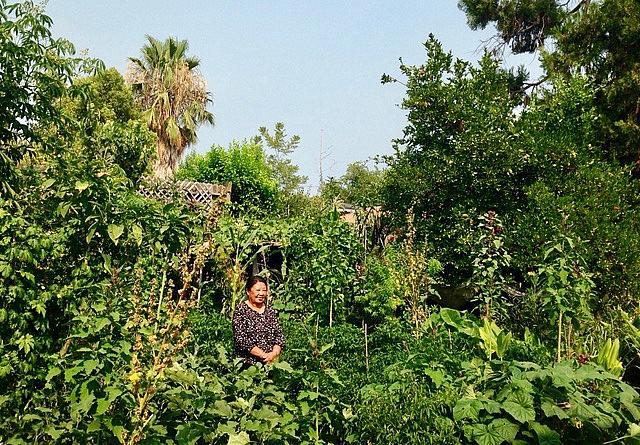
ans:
(166, 162)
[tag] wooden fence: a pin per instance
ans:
(196, 194)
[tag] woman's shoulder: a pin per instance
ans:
(241, 308)
(272, 311)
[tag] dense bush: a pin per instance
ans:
(466, 152)
(243, 164)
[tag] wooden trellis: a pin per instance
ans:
(197, 194)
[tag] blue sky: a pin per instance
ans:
(315, 66)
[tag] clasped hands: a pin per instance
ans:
(266, 357)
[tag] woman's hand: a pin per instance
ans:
(270, 357)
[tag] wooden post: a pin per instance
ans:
(331, 313)
(366, 346)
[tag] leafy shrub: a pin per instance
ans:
(243, 164)
(563, 403)
(321, 258)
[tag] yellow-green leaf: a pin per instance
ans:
(82, 185)
(238, 439)
(115, 231)
(136, 232)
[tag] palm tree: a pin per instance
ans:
(173, 96)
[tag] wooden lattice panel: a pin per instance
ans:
(201, 194)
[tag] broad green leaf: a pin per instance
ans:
(436, 376)
(101, 323)
(86, 401)
(48, 183)
(103, 404)
(90, 233)
(31, 417)
(222, 408)
(239, 439)
(589, 372)
(550, 409)
(497, 432)
(69, 373)
(504, 428)
(519, 412)
(546, 436)
(107, 262)
(63, 209)
(502, 343)
(451, 317)
(54, 433)
(467, 409)
(189, 433)
(283, 366)
(81, 185)
(52, 373)
(136, 232)
(115, 231)
(265, 413)
(562, 376)
(94, 425)
(90, 365)
(325, 348)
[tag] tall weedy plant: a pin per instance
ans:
(490, 261)
(414, 277)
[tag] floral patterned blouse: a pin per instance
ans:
(251, 328)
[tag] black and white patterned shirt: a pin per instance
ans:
(251, 328)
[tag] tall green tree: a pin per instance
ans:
(470, 147)
(174, 97)
(281, 147)
(33, 74)
(595, 38)
(107, 119)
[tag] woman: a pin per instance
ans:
(257, 335)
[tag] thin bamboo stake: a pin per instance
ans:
(559, 335)
(199, 286)
(164, 281)
(366, 347)
(331, 313)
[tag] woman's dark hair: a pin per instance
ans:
(252, 280)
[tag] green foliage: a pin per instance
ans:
(239, 243)
(523, 25)
(608, 357)
(466, 151)
(563, 291)
(321, 268)
(284, 171)
(559, 404)
(359, 186)
(457, 155)
(592, 38)
(490, 264)
(110, 322)
(108, 122)
(33, 76)
(278, 147)
(254, 188)
(379, 296)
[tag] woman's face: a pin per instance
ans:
(257, 294)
